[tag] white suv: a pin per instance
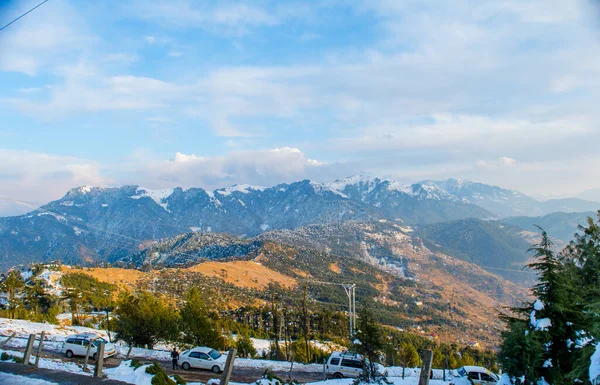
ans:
(345, 364)
(478, 375)
(77, 345)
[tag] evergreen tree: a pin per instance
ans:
(408, 356)
(36, 299)
(196, 325)
(369, 344)
(144, 319)
(539, 341)
(12, 285)
(244, 346)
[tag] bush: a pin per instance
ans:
(244, 346)
(160, 376)
(135, 363)
(5, 356)
(272, 377)
(179, 380)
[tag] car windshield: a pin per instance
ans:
(462, 372)
(99, 341)
(214, 354)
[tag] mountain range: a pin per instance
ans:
(91, 224)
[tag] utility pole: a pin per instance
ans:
(306, 323)
(351, 293)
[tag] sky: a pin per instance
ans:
(186, 93)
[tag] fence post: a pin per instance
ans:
(8, 339)
(87, 356)
(228, 367)
(99, 360)
(426, 367)
(29, 348)
(39, 349)
(324, 372)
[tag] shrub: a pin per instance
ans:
(135, 363)
(160, 376)
(244, 346)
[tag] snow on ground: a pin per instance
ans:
(6, 378)
(263, 346)
(125, 372)
(49, 363)
(393, 380)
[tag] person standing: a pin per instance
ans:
(174, 358)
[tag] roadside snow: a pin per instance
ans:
(7, 378)
(125, 372)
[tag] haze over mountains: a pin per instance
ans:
(92, 224)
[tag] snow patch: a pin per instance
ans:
(126, 373)
(243, 188)
(594, 371)
(157, 196)
(538, 305)
(264, 227)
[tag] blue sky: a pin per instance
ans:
(211, 93)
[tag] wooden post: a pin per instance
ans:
(8, 339)
(29, 348)
(228, 367)
(87, 356)
(426, 367)
(291, 366)
(99, 360)
(39, 349)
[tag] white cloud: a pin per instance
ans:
(234, 18)
(38, 177)
(54, 34)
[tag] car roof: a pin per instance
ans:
(346, 354)
(471, 368)
(85, 335)
(201, 349)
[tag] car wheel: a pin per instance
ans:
(69, 354)
(215, 369)
(338, 375)
(185, 366)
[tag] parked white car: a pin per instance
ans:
(478, 375)
(345, 364)
(77, 345)
(202, 358)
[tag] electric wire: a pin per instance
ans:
(23, 15)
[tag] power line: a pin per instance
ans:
(505, 269)
(40, 4)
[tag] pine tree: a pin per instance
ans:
(369, 344)
(196, 325)
(12, 285)
(408, 356)
(144, 319)
(538, 342)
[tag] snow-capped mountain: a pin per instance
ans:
(92, 223)
(500, 201)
